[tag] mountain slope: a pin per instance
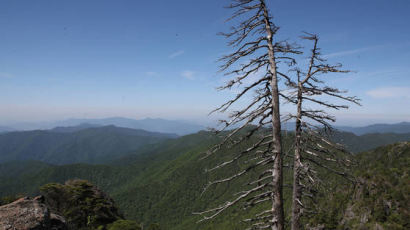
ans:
(380, 199)
(359, 143)
(91, 145)
(164, 183)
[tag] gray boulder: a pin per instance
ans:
(29, 214)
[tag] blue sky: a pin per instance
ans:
(98, 58)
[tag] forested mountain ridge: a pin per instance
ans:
(88, 143)
(360, 143)
(162, 184)
(91, 145)
(402, 127)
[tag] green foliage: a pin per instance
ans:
(82, 204)
(9, 199)
(154, 227)
(124, 225)
(380, 198)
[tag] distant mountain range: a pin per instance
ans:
(403, 127)
(149, 124)
(179, 127)
(153, 125)
(71, 129)
(76, 144)
(4, 129)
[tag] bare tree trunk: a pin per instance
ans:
(314, 147)
(253, 39)
(297, 166)
(277, 175)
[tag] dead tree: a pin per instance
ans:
(256, 54)
(313, 149)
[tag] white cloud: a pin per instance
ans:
(176, 54)
(188, 74)
(349, 52)
(390, 92)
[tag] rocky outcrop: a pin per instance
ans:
(77, 204)
(82, 204)
(29, 214)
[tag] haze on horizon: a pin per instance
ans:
(137, 59)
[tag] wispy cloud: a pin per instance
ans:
(188, 74)
(390, 92)
(383, 73)
(176, 54)
(365, 49)
(151, 73)
(349, 52)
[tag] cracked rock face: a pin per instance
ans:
(29, 214)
